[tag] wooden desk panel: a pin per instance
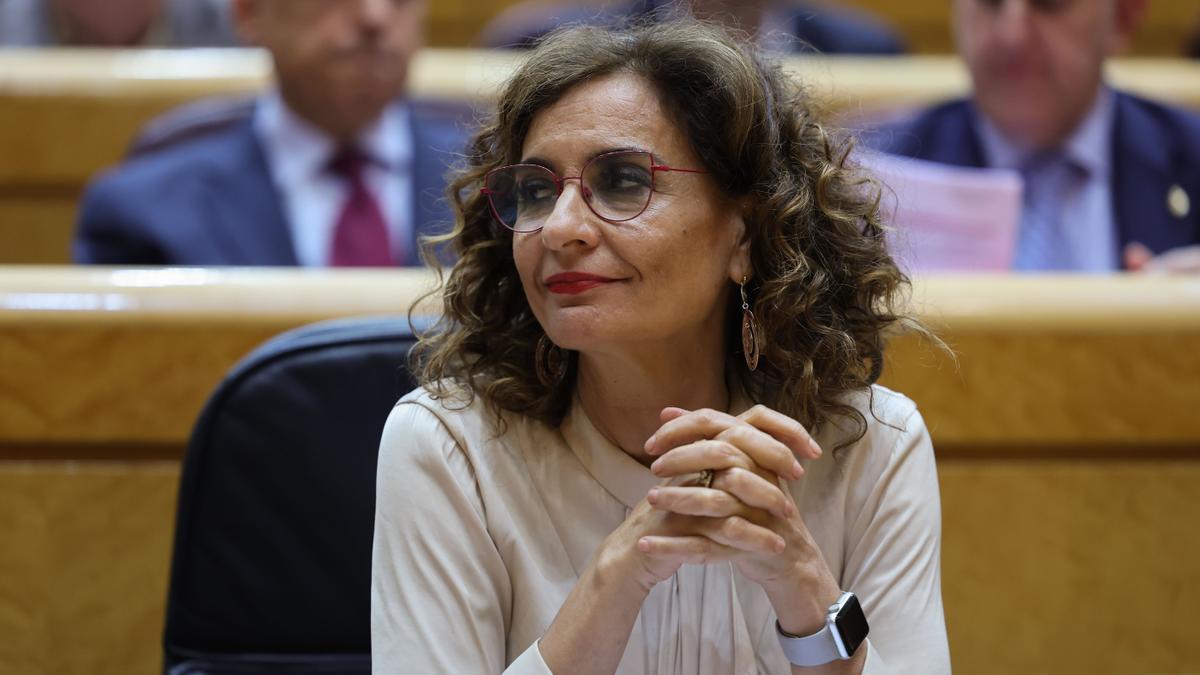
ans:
(84, 566)
(1068, 450)
(1071, 566)
(1075, 363)
(36, 229)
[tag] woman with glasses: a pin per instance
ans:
(648, 438)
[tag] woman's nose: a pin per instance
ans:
(571, 221)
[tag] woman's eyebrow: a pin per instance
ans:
(627, 148)
(538, 161)
(550, 165)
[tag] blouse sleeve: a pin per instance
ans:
(440, 593)
(893, 559)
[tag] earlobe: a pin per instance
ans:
(739, 262)
(739, 265)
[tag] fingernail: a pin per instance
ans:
(655, 467)
(649, 446)
(780, 545)
(797, 470)
(652, 496)
(643, 545)
(815, 448)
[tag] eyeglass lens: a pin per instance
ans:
(616, 186)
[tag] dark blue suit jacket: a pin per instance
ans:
(1155, 149)
(209, 200)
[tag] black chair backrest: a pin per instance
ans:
(271, 570)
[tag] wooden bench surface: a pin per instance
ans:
(1049, 360)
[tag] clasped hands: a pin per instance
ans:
(745, 516)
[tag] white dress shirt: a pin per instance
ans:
(298, 156)
(1089, 233)
(480, 536)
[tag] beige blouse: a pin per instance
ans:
(480, 536)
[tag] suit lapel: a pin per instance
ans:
(945, 134)
(435, 139)
(246, 217)
(959, 139)
(1142, 160)
(418, 216)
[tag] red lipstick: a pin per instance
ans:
(572, 283)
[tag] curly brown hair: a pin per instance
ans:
(826, 292)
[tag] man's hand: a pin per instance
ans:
(1182, 260)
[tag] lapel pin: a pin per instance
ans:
(1178, 202)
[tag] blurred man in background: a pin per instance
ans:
(334, 167)
(778, 25)
(1111, 181)
(115, 23)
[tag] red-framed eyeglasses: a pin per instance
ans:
(616, 186)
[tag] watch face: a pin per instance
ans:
(852, 625)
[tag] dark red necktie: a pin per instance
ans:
(360, 237)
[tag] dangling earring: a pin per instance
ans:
(750, 345)
(549, 362)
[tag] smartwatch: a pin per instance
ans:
(845, 629)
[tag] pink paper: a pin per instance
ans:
(947, 218)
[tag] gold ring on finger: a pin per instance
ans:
(705, 478)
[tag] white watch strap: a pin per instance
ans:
(811, 650)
